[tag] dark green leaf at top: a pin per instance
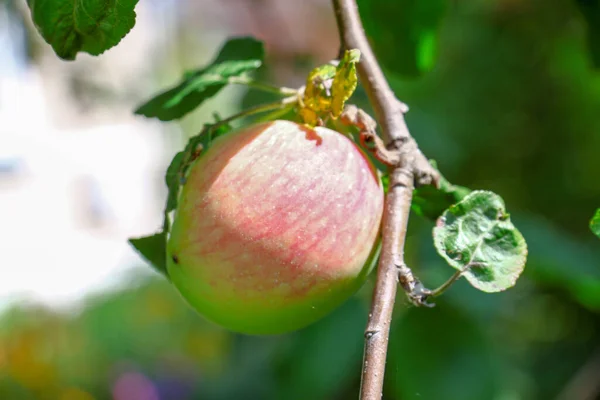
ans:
(590, 9)
(595, 223)
(92, 26)
(237, 57)
(153, 249)
(431, 202)
(476, 236)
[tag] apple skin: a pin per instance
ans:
(277, 225)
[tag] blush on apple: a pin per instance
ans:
(277, 225)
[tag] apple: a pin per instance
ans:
(277, 225)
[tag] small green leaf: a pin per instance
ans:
(385, 182)
(476, 236)
(431, 202)
(595, 223)
(154, 250)
(92, 26)
(180, 164)
(237, 56)
(173, 180)
(344, 82)
(198, 144)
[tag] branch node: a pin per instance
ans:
(419, 295)
(370, 334)
(354, 116)
(404, 108)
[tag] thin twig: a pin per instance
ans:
(412, 168)
(444, 286)
(260, 108)
(265, 87)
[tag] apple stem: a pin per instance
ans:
(276, 106)
(446, 285)
(265, 87)
(412, 169)
(277, 113)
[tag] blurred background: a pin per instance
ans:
(503, 94)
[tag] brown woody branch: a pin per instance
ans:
(354, 116)
(412, 169)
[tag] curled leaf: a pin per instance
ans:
(476, 236)
(317, 94)
(328, 87)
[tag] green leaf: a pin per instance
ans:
(595, 223)
(476, 236)
(92, 26)
(431, 202)
(183, 160)
(173, 180)
(154, 250)
(237, 56)
(590, 9)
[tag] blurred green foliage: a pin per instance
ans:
(590, 9)
(405, 34)
(510, 105)
(595, 223)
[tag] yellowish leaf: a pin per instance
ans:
(328, 87)
(344, 82)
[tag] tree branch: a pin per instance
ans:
(412, 169)
(389, 111)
